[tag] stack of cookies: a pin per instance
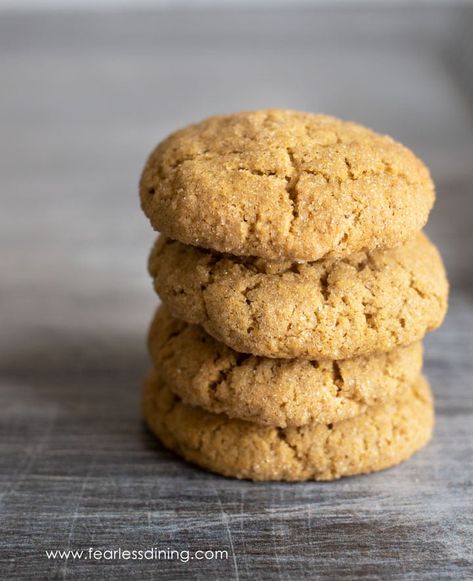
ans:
(296, 287)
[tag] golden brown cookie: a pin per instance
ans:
(381, 437)
(362, 304)
(277, 392)
(283, 184)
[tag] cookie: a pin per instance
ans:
(285, 185)
(362, 304)
(383, 436)
(276, 392)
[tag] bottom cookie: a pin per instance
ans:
(383, 436)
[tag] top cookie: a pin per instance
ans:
(283, 184)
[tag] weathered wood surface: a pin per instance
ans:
(82, 99)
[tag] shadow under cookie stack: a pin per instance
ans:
(296, 287)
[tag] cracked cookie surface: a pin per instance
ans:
(284, 184)
(277, 392)
(362, 304)
(383, 436)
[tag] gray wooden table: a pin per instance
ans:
(82, 100)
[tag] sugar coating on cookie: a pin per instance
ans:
(369, 302)
(277, 392)
(283, 184)
(383, 436)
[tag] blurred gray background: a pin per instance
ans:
(84, 96)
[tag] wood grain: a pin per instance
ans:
(83, 98)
